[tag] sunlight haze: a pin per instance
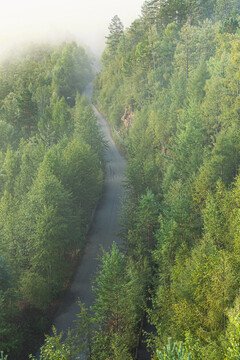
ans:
(85, 21)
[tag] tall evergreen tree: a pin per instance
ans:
(116, 31)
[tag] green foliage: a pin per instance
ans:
(10, 339)
(86, 127)
(115, 34)
(108, 289)
(6, 135)
(5, 275)
(51, 175)
(3, 357)
(109, 328)
(81, 336)
(173, 352)
(118, 283)
(170, 86)
(173, 95)
(230, 25)
(147, 217)
(54, 348)
(233, 333)
(71, 72)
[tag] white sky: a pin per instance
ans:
(85, 20)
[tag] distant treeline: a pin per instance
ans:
(170, 84)
(51, 176)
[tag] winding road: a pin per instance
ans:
(103, 232)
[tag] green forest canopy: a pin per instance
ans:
(170, 86)
(51, 176)
(171, 90)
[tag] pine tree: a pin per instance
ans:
(108, 289)
(116, 31)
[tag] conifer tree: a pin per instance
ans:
(108, 289)
(116, 31)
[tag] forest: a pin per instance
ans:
(170, 88)
(51, 176)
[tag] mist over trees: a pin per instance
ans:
(51, 176)
(169, 86)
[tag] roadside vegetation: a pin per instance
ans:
(51, 176)
(170, 88)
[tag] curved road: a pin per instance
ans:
(103, 233)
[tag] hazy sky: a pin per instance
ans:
(88, 20)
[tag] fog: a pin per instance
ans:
(84, 21)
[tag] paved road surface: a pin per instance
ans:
(103, 232)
